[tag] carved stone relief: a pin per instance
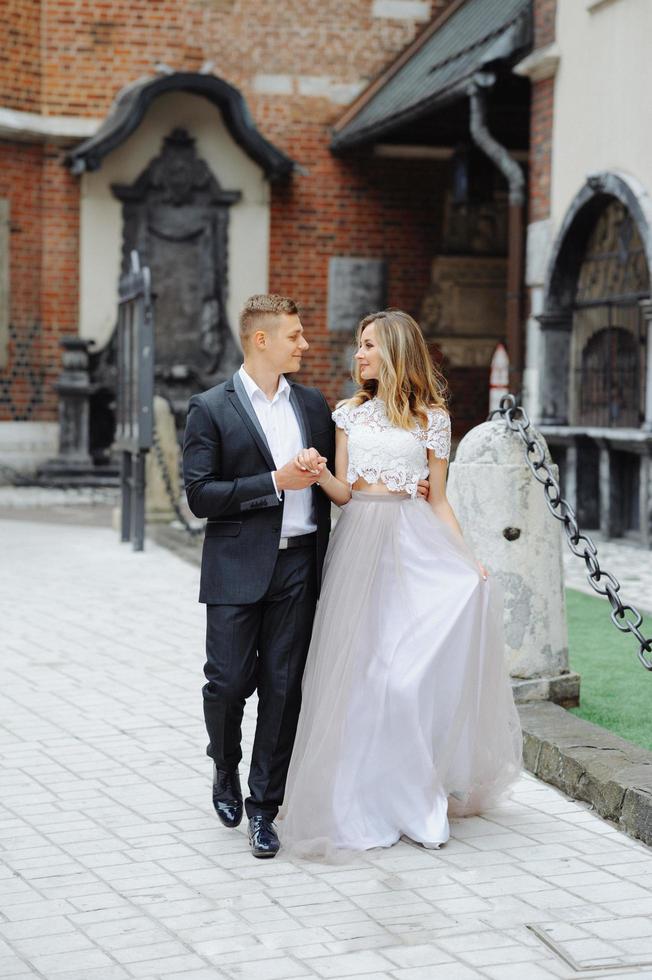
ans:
(463, 310)
(176, 215)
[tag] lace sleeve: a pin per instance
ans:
(342, 418)
(438, 434)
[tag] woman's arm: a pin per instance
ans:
(437, 497)
(335, 486)
(438, 500)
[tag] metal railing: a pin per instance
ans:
(135, 396)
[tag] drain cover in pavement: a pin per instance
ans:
(599, 945)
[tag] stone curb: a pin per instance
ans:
(591, 764)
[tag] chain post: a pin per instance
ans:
(562, 511)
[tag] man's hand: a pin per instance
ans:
(296, 476)
(423, 489)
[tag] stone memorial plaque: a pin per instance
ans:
(356, 286)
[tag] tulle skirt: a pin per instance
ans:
(407, 711)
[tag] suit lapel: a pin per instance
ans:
(244, 408)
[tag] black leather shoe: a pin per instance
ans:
(263, 839)
(227, 796)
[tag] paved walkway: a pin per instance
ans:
(115, 866)
(631, 565)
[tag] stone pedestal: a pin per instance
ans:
(158, 507)
(503, 513)
(74, 465)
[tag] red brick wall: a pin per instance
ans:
(545, 12)
(541, 147)
(43, 200)
(91, 49)
(60, 261)
(20, 64)
(21, 386)
(360, 206)
(541, 116)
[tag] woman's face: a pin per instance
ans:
(368, 354)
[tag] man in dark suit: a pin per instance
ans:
(266, 537)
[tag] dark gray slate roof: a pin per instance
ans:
(132, 103)
(477, 34)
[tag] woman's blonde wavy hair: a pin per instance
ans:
(408, 381)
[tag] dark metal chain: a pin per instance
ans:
(624, 616)
(169, 487)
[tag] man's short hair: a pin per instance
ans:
(260, 308)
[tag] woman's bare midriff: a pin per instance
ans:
(361, 484)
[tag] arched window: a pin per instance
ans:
(610, 379)
(608, 328)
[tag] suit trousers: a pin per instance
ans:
(261, 646)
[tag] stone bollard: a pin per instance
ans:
(158, 508)
(506, 521)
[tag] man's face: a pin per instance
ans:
(285, 344)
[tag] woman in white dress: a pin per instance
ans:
(407, 711)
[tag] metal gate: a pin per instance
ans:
(135, 396)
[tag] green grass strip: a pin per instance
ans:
(615, 691)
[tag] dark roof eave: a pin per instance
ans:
(340, 144)
(498, 49)
(133, 103)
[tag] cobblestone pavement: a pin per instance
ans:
(115, 866)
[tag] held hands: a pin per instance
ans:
(308, 466)
(301, 471)
(310, 460)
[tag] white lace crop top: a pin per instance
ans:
(381, 452)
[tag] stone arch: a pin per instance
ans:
(567, 256)
(579, 220)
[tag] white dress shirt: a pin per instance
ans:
(281, 428)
